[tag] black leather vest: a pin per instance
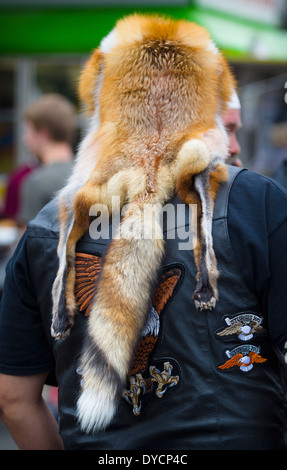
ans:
(201, 380)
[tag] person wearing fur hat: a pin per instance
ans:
(163, 327)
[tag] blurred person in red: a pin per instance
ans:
(12, 197)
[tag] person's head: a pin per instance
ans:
(49, 120)
(232, 122)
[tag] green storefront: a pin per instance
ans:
(77, 27)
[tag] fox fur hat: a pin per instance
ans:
(156, 90)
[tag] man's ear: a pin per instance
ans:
(88, 79)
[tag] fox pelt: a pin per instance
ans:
(156, 90)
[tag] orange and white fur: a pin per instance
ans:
(156, 90)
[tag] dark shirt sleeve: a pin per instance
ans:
(276, 289)
(257, 222)
(24, 349)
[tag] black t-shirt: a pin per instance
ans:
(257, 222)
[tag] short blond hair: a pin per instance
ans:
(55, 113)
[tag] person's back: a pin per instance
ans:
(213, 378)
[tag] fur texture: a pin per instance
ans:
(156, 90)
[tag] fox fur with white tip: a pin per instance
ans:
(156, 90)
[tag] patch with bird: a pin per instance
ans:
(244, 325)
(243, 357)
(148, 377)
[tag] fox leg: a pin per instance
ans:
(84, 165)
(189, 194)
(59, 314)
(79, 224)
(187, 169)
(207, 185)
(201, 188)
(69, 221)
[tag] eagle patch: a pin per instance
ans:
(243, 357)
(244, 325)
(148, 377)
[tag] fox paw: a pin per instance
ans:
(61, 327)
(204, 298)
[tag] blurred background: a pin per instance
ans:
(44, 44)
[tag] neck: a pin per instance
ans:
(57, 152)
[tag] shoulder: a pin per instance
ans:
(257, 211)
(31, 189)
(251, 182)
(46, 221)
(258, 200)
(35, 176)
(40, 174)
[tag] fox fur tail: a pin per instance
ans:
(125, 286)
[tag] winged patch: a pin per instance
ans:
(144, 378)
(243, 357)
(244, 326)
(88, 268)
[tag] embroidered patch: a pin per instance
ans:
(148, 377)
(154, 380)
(244, 326)
(244, 357)
(88, 268)
(155, 383)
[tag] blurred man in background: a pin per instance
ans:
(50, 129)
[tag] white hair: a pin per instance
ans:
(234, 103)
